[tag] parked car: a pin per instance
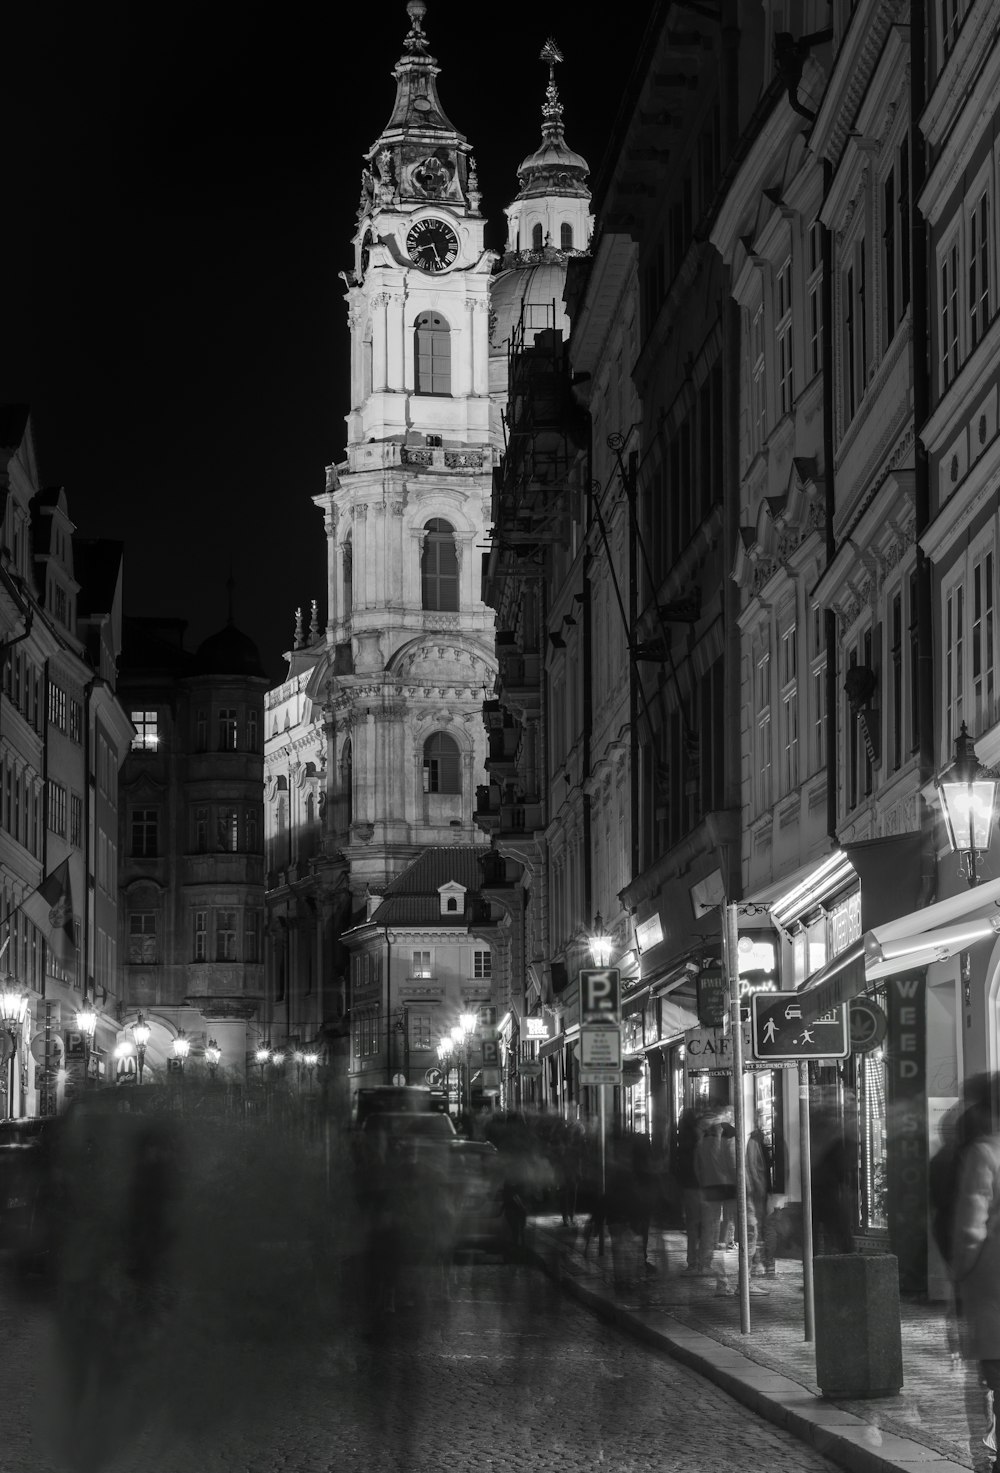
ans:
(26, 1184)
(480, 1195)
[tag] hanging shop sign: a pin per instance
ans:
(534, 1028)
(713, 997)
(868, 1025)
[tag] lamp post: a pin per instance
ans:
(600, 950)
(213, 1054)
(468, 1025)
(968, 803)
(445, 1048)
(181, 1047)
(13, 1011)
(140, 1032)
(86, 1022)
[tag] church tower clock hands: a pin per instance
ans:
(410, 645)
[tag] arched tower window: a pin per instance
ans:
(442, 764)
(566, 236)
(347, 565)
(536, 238)
(439, 568)
(432, 354)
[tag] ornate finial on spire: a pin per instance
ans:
(552, 108)
(298, 628)
(415, 39)
(313, 621)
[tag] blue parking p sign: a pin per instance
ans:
(600, 995)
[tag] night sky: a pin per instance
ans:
(180, 189)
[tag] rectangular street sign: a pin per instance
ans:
(779, 1032)
(594, 1076)
(600, 995)
(601, 1046)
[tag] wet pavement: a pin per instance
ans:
(773, 1368)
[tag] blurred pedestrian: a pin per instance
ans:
(760, 1244)
(715, 1169)
(686, 1183)
(975, 1249)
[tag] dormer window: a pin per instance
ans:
(452, 899)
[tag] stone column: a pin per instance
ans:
(395, 344)
(380, 302)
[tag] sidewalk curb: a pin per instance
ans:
(829, 1429)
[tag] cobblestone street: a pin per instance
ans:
(507, 1375)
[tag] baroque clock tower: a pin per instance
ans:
(409, 643)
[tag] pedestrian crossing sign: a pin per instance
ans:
(778, 1030)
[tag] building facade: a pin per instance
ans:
(191, 873)
(63, 738)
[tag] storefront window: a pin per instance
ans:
(871, 1080)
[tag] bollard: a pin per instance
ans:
(859, 1351)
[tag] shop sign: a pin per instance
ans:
(868, 1025)
(906, 1065)
(845, 924)
(713, 997)
(534, 1028)
(707, 1048)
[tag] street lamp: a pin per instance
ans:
(86, 1022)
(181, 1047)
(600, 943)
(13, 1011)
(263, 1058)
(213, 1054)
(968, 803)
(140, 1032)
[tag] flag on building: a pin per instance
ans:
(50, 908)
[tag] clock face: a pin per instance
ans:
(433, 245)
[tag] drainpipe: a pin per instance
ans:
(919, 287)
(829, 504)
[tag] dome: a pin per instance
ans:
(536, 288)
(554, 169)
(228, 652)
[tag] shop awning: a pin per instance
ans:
(907, 943)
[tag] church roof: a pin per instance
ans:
(537, 289)
(554, 168)
(228, 652)
(413, 897)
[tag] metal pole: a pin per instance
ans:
(730, 955)
(805, 1168)
(604, 1178)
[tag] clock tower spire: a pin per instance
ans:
(410, 649)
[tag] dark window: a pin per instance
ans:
(348, 567)
(142, 936)
(566, 237)
(442, 765)
(225, 935)
(439, 571)
(536, 238)
(432, 354)
(227, 729)
(144, 832)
